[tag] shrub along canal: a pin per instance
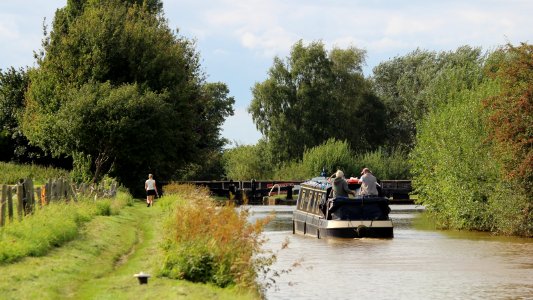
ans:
(418, 263)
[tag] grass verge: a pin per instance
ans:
(100, 264)
(53, 225)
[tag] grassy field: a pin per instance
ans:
(101, 262)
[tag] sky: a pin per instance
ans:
(238, 39)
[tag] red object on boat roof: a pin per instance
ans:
(353, 180)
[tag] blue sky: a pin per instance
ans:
(238, 39)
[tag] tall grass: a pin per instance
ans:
(53, 225)
(210, 243)
(11, 173)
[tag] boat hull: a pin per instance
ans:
(316, 226)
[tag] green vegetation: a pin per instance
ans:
(406, 85)
(111, 78)
(471, 163)
(11, 173)
(101, 261)
(115, 92)
(314, 95)
(53, 225)
(245, 162)
(209, 243)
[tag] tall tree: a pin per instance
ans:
(313, 96)
(511, 114)
(121, 55)
(13, 84)
(14, 146)
(406, 85)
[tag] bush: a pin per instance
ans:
(454, 173)
(331, 155)
(247, 162)
(209, 243)
(11, 173)
(391, 166)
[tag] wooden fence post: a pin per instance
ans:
(10, 203)
(28, 189)
(3, 201)
(20, 200)
(48, 192)
(66, 189)
(38, 198)
(73, 190)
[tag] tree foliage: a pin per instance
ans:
(245, 162)
(119, 63)
(406, 84)
(510, 127)
(313, 96)
(13, 84)
(452, 167)
(331, 156)
(511, 114)
(14, 146)
(472, 147)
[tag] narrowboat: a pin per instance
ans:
(318, 215)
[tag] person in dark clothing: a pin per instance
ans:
(340, 186)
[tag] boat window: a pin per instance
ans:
(312, 196)
(320, 199)
(303, 199)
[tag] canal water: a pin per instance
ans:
(418, 263)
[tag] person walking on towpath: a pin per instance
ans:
(151, 190)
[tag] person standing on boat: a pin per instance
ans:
(151, 190)
(340, 186)
(368, 183)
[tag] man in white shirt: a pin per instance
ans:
(368, 183)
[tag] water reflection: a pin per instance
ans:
(415, 264)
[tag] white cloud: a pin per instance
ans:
(269, 42)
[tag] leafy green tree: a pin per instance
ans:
(13, 84)
(510, 127)
(215, 105)
(14, 146)
(453, 168)
(511, 111)
(330, 156)
(385, 164)
(245, 162)
(406, 85)
(100, 119)
(124, 52)
(313, 96)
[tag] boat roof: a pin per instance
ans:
(317, 183)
